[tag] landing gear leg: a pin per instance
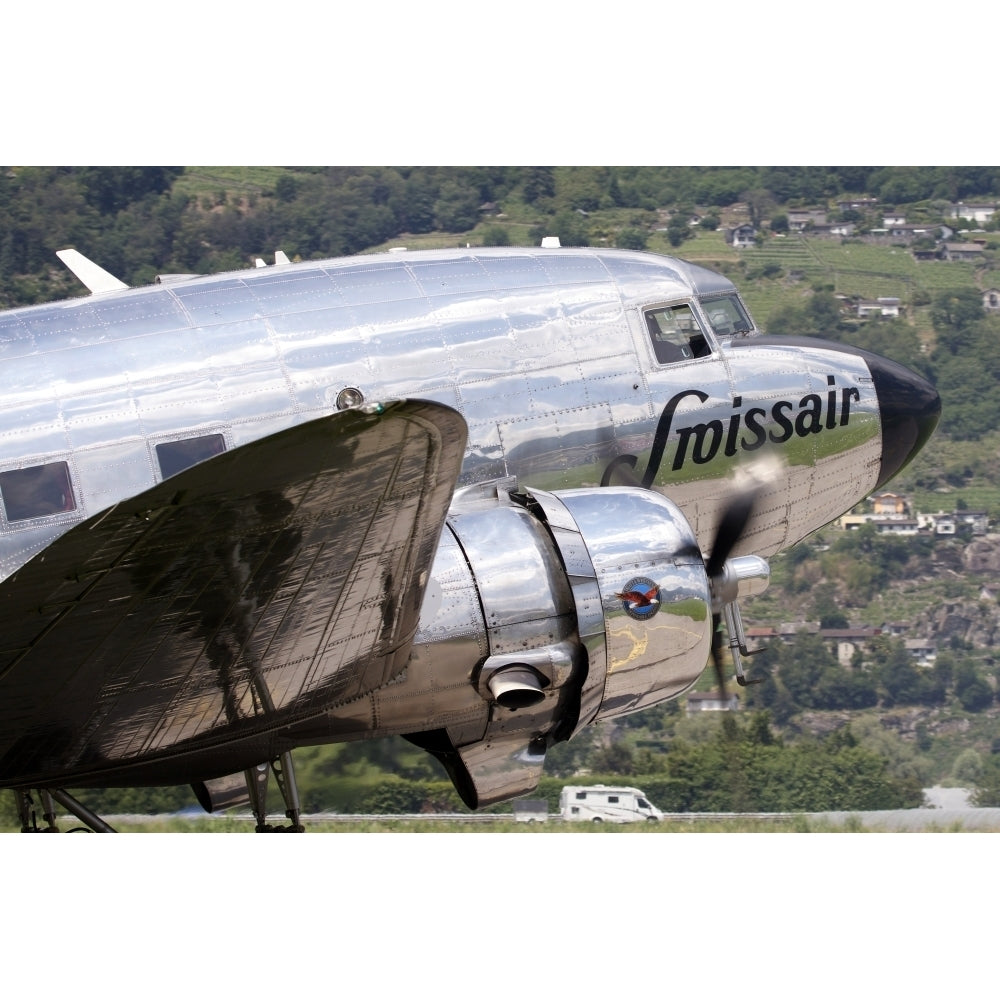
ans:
(81, 812)
(48, 811)
(29, 823)
(26, 812)
(284, 773)
(738, 643)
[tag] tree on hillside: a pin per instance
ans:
(570, 227)
(677, 229)
(965, 367)
(986, 793)
(760, 203)
(632, 238)
(953, 312)
(803, 184)
(418, 206)
(456, 208)
(819, 316)
(892, 338)
(973, 693)
(538, 183)
(743, 769)
(901, 681)
(110, 189)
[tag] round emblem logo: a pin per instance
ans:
(640, 598)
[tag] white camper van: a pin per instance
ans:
(606, 804)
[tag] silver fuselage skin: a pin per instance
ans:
(544, 352)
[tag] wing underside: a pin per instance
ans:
(252, 591)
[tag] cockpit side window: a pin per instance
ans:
(727, 316)
(676, 334)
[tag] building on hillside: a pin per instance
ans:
(896, 525)
(857, 204)
(845, 642)
(788, 631)
(991, 300)
(741, 236)
(908, 232)
(883, 306)
(924, 651)
(851, 522)
(841, 229)
(940, 523)
(974, 211)
(890, 505)
(978, 520)
(760, 635)
(963, 251)
(948, 524)
(801, 219)
(711, 701)
(896, 628)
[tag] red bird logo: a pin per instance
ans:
(640, 598)
(637, 599)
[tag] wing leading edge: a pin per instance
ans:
(178, 631)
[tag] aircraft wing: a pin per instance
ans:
(246, 593)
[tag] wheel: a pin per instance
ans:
(597, 819)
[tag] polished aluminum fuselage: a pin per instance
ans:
(543, 352)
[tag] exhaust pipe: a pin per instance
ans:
(516, 687)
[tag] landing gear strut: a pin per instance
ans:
(29, 821)
(738, 643)
(284, 773)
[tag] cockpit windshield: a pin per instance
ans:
(727, 316)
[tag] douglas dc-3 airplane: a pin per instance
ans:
(478, 498)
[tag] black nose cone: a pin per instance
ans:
(909, 407)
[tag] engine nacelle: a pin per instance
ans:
(643, 600)
(558, 609)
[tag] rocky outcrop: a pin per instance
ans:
(976, 622)
(983, 556)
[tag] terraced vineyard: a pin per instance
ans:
(862, 269)
(854, 269)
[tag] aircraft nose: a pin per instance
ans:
(910, 408)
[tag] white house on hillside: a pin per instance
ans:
(976, 211)
(711, 701)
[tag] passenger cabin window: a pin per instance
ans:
(38, 491)
(176, 456)
(676, 334)
(727, 316)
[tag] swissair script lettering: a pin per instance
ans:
(745, 430)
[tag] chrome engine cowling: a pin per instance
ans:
(558, 609)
